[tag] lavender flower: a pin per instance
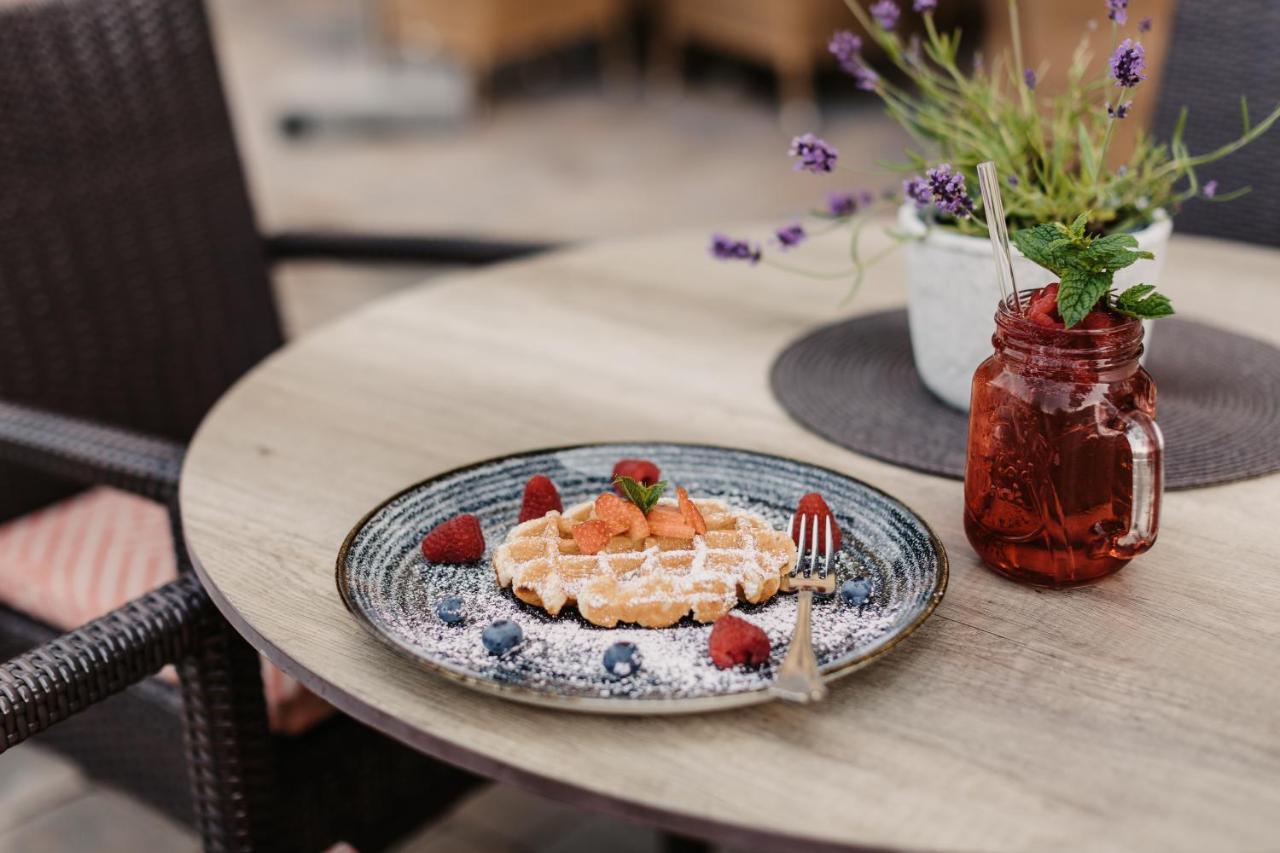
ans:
(1029, 77)
(813, 154)
(923, 6)
(1210, 189)
(849, 203)
(1118, 10)
(886, 13)
(846, 47)
(726, 248)
(841, 204)
(917, 189)
(790, 235)
(865, 79)
(1144, 26)
(1120, 110)
(948, 190)
(1128, 63)
(1013, 180)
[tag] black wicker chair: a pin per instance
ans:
(133, 291)
(1220, 51)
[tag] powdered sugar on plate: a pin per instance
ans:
(395, 590)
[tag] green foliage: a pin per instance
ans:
(1054, 146)
(1143, 302)
(639, 494)
(1085, 266)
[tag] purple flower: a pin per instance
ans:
(886, 13)
(1144, 26)
(726, 248)
(1029, 77)
(917, 189)
(841, 204)
(865, 79)
(1128, 63)
(1120, 110)
(1012, 180)
(1118, 10)
(848, 203)
(948, 190)
(813, 154)
(1210, 189)
(845, 47)
(923, 6)
(790, 235)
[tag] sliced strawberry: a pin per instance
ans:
(690, 512)
(592, 536)
(813, 508)
(669, 521)
(458, 540)
(641, 470)
(622, 516)
(540, 498)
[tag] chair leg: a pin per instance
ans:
(228, 745)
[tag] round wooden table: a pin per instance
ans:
(1143, 711)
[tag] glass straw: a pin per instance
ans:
(989, 181)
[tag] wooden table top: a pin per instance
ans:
(1143, 711)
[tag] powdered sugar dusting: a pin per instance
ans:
(396, 590)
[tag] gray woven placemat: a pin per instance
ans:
(854, 382)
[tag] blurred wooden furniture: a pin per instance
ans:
(483, 34)
(1135, 714)
(134, 290)
(791, 37)
(1216, 59)
(1051, 32)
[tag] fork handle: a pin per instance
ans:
(798, 679)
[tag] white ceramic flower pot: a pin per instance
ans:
(952, 294)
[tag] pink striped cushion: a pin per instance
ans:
(77, 559)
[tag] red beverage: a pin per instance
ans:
(1064, 472)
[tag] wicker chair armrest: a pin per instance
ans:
(89, 452)
(70, 673)
(393, 249)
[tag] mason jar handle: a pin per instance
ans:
(1146, 444)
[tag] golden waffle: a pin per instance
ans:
(653, 582)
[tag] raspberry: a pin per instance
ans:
(540, 497)
(816, 510)
(641, 470)
(458, 540)
(736, 641)
(1099, 318)
(1042, 308)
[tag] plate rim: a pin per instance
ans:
(632, 706)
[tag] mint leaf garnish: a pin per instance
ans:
(1079, 292)
(1085, 266)
(1143, 302)
(639, 494)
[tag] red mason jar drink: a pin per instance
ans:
(1065, 465)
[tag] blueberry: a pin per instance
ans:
(501, 637)
(855, 591)
(449, 609)
(622, 659)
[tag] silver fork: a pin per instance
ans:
(798, 679)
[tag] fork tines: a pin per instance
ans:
(801, 575)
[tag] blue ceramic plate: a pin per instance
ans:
(393, 590)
